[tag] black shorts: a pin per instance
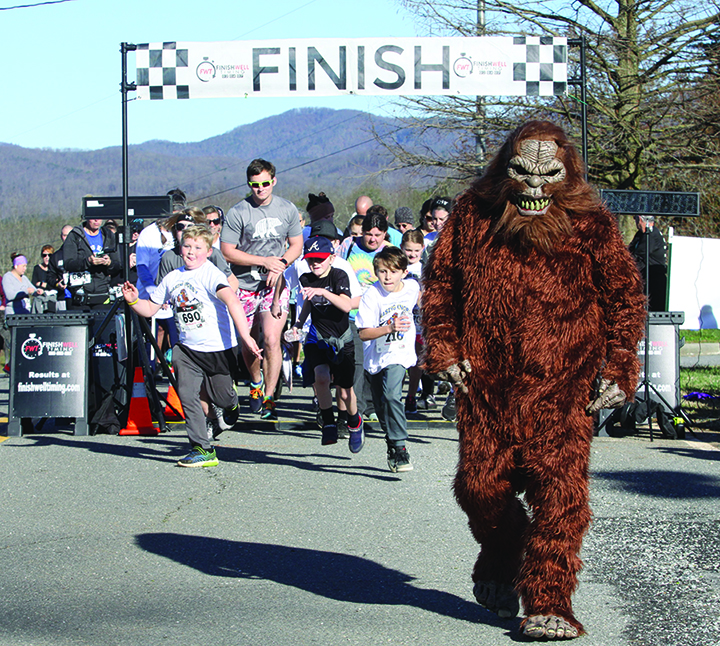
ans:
(343, 373)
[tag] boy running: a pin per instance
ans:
(207, 313)
(326, 291)
(385, 324)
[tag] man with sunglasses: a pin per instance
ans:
(260, 238)
(215, 218)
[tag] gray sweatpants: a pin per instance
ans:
(191, 378)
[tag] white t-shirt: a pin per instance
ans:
(203, 321)
(377, 308)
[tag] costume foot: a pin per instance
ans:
(499, 598)
(549, 627)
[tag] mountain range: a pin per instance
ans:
(313, 149)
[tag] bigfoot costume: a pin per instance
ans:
(533, 307)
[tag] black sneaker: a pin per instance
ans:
(229, 417)
(449, 410)
(426, 403)
(329, 434)
(213, 428)
(411, 405)
(398, 459)
(257, 393)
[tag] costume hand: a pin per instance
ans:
(609, 396)
(456, 374)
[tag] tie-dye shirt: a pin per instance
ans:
(361, 262)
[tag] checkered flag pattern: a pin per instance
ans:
(162, 72)
(540, 60)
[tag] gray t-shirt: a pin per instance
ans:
(260, 231)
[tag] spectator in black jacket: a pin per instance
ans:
(656, 289)
(57, 276)
(92, 260)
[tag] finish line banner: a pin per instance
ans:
(482, 66)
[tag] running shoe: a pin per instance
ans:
(268, 410)
(229, 417)
(449, 410)
(398, 459)
(329, 434)
(199, 457)
(426, 403)
(411, 405)
(213, 428)
(343, 431)
(257, 394)
(357, 438)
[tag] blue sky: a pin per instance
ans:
(60, 64)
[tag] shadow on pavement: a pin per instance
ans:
(341, 577)
(305, 461)
(687, 452)
(664, 484)
(170, 449)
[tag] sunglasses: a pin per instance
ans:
(217, 221)
(46, 255)
(180, 226)
(260, 184)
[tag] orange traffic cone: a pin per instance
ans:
(173, 409)
(139, 418)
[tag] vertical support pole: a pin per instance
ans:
(125, 87)
(583, 99)
(480, 133)
(582, 82)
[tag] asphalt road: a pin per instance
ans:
(104, 541)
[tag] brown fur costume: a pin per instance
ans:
(539, 306)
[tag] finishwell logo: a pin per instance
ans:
(32, 347)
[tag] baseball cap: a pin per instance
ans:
(324, 228)
(318, 247)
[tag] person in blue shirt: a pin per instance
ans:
(91, 260)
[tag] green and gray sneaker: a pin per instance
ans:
(199, 457)
(398, 459)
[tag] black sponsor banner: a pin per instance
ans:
(663, 363)
(49, 371)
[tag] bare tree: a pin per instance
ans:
(648, 72)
